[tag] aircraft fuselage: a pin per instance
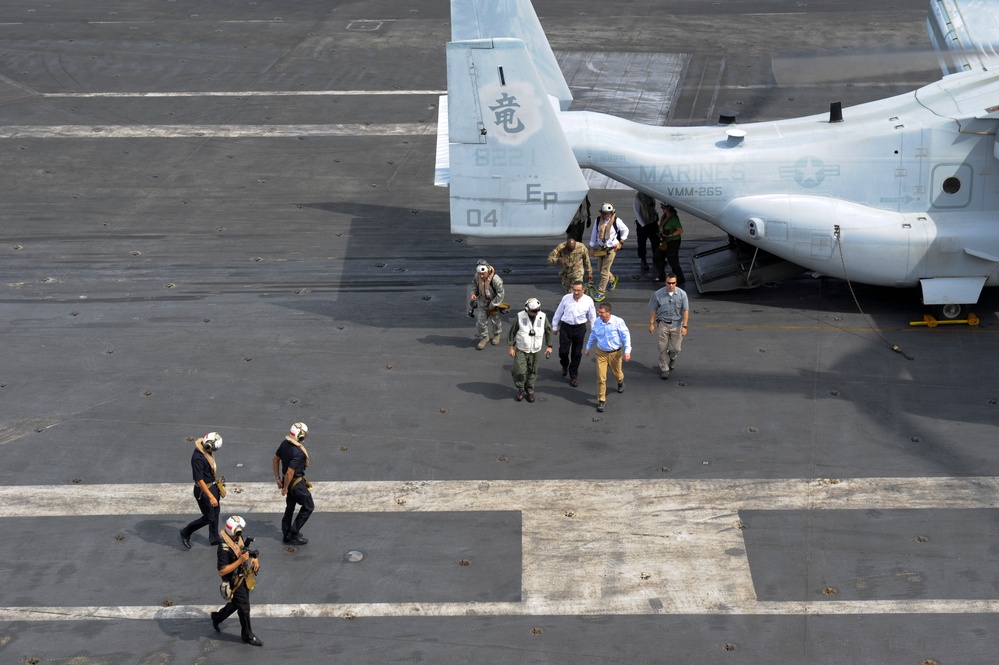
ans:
(903, 189)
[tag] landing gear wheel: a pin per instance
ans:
(951, 311)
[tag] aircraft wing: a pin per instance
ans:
(965, 34)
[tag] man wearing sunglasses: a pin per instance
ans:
(669, 313)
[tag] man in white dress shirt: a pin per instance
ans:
(571, 315)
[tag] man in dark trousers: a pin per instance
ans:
(207, 490)
(573, 312)
(237, 567)
(670, 230)
(293, 459)
(646, 227)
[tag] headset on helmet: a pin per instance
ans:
(234, 526)
(299, 431)
(606, 207)
(532, 305)
(211, 442)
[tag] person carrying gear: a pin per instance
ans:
(531, 332)
(238, 566)
(487, 303)
(608, 236)
(293, 459)
(209, 489)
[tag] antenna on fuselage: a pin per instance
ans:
(836, 112)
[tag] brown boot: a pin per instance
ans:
(482, 343)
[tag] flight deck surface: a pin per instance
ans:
(221, 217)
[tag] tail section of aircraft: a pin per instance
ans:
(488, 19)
(511, 169)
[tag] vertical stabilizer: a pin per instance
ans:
(487, 19)
(512, 171)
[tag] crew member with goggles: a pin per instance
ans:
(293, 459)
(209, 488)
(238, 566)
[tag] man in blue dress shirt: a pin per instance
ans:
(613, 340)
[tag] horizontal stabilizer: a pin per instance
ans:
(512, 171)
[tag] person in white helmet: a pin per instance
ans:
(531, 332)
(608, 235)
(293, 459)
(486, 304)
(237, 566)
(208, 488)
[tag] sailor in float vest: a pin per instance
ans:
(528, 335)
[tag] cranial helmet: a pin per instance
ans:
(606, 207)
(482, 266)
(532, 305)
(211, 442)
(299, 431)
(234, 526)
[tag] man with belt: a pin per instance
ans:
(613, 339)
(207, 489)
(669, 312)
(294, 458)
(574, 310)
(531, 332)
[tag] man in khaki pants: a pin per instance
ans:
(613, 339)
(609, 232)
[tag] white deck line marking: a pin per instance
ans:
(211, 131)
(246, 93)
(590, 547)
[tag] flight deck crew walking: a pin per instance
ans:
(294, 458)
(531, 332)
(669, 310)
(487, 297)
(208, 489)
(608, 234)
(237, 566)
(574, 310)
(613, 340)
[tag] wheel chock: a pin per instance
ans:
(931, 321)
